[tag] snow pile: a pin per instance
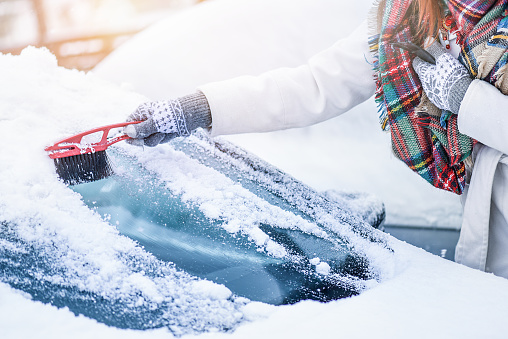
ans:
(365, 204)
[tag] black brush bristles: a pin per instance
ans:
(83, 168)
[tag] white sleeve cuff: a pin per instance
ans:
(483, 115)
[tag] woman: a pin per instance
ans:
(442, 118)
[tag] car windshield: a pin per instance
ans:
(214, 228)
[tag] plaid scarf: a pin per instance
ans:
(431, 145)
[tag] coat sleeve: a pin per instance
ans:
(331, 83)
(483, 115)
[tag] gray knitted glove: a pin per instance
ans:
(165, 120)
(446, 82)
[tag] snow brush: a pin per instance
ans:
(78, 161)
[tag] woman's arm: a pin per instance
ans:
(331, 83)
(483, 115)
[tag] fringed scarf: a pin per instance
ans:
(433, 149)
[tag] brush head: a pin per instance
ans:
(79, 160)
(88, 167)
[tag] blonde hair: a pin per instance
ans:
(430, 15)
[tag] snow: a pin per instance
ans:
(75, 247)
(219, 198)
(71, 246)
(323, 268)
(419, 295)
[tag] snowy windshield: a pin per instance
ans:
(184, 235)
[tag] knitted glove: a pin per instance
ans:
(165, 120)
(446, 82)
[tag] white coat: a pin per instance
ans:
(341, 77)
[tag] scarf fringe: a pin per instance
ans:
(374, 28)
(373, 18)
(501, 82)
(489, 57)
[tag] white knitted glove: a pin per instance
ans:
(162, 121)
(165, 120)
(446, 82)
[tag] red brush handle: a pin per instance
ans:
(72, 145)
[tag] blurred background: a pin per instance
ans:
(79, 32)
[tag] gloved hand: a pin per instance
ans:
(446, 82)
(165, 120)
